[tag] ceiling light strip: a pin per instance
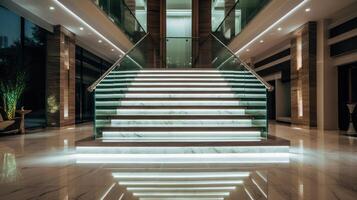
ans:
(89, 26)
(272, 26)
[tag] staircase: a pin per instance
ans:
(180, 106)
(151, 115)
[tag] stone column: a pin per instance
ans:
(60, 78)
(303, 76)
(327, 82)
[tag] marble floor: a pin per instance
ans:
(42, 165)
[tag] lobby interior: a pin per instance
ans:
(178, 99)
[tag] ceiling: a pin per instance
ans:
(93, 29)
(262, 33)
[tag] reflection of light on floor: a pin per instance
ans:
(227, 188)
(248, 193)
(180, 175)
(107, 192)
(260, 189)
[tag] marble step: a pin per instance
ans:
(154, 75)
(179, 103)
(178, 139)
(181, 134)
(179, 89)
(180, 71)
(178, 129)
(180, 198)
(180, 95)
(182, 122)
(199, 79)
(179, 112)
(180, 84)
(185, 195)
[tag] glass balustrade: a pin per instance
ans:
(230, 17)
(179, 51)
(125, 18)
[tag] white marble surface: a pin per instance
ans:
(180, 95)
(41, 166)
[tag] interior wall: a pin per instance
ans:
(283, 99)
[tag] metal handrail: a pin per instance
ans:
(266, 84)
(94, 85)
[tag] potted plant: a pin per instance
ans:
(11, 91)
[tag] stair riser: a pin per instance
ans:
(180, 95)
(179, 84)
(181, 79)
(180, 75)
(182, 123)
(180, 103)
(180, 112)
(196, 151)
(192, 134)
(130, 89)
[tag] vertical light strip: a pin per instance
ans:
(89, 26)
(272, 26)
(298, 52)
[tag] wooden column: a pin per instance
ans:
(156, 26)
(201, 28)
(60, 78)
(303, 76)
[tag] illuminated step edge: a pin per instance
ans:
(181, 134)
(180, 103)
(183, 152)
(182, 122)
(179, 95)
(178, 175)
(180, 71)
(180, 89)
(194, 189)
(180, 79)
(188, 158)
(178, 75)
(179, 84)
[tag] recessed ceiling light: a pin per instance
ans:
(81, 28)
(112, 49)
(307, 9)
(248, 50)
(261, 41)
(279, 29)
(51, 8)
(100, 41)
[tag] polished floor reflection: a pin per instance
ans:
(43, 166)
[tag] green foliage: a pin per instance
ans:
(11, 91)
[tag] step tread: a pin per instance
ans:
(270, 141)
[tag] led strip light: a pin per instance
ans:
(89, 26)
(273, 25)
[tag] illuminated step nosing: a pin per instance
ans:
(138, 139)
(181, 71)
(180, 84)
(180, 79)
(179, 95)
(178, 89)
(180, 75)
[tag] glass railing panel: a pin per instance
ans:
(143, 55)
(179, 52)
(124, 17)
(249, 87)
(235, 18)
